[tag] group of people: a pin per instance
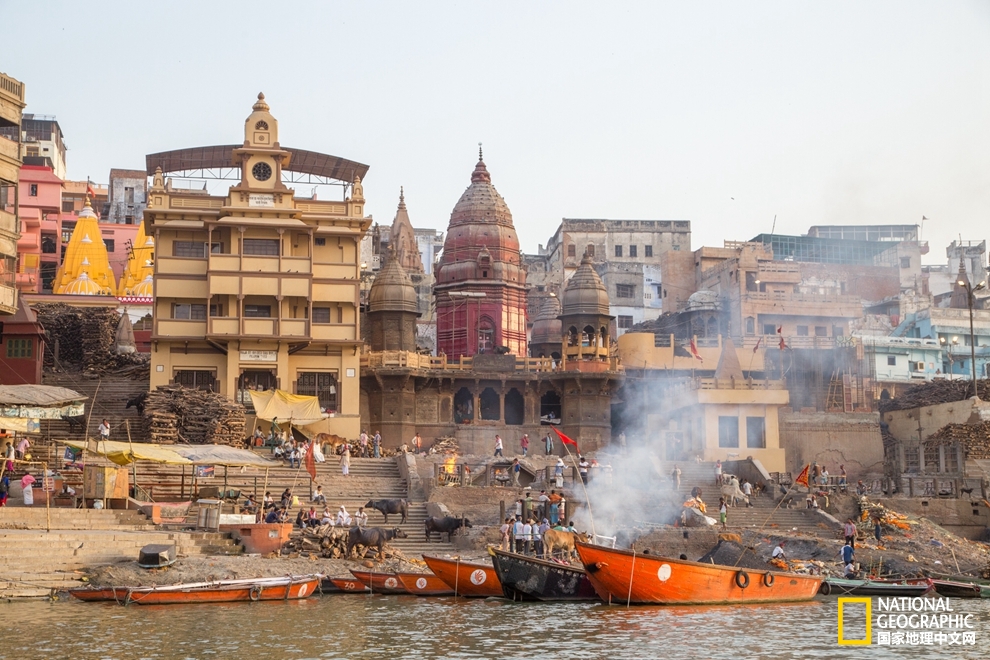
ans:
(526, 536)
(552, 506)
(371, 446)
(548, 444)
(272, 511)
(295, 453)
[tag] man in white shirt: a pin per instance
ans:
(527, 534)
(360, 518)
(747, 489)
(105, 430)
(778, 552)
(517, 533)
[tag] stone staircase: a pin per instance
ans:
(109, 401)
(34, 561)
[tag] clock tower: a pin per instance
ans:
(261, 160)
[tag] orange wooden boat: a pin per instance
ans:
(424, 584)
(622, 576)
(348, 586)
(380, 583)
(466, 578)
(223, 591)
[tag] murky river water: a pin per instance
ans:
(385, 627)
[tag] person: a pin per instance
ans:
(4, 489)
(622, 441)
(376, 443)
(104, 430)
(8, 455)
(558, 472)
(571, 528)
(27, 483)
(849, 529)
(286, 498)
(877, 530)
(417, 443)
(317, 449)
(273, 516)
(363, 443)
(345, 461)
(527, 534)
(517, 534)
(778, 552)
(294, 458)
(718, 473)
(747, 489)
(250, 505)
(258, 439)
(848, 553)
(524, 443)
(360, 518)
(583, 466)
(268, 502)
(343, 518)
(675, 476)
(327, 518)
(301, 519)
(498, 445)
(537, 540)
(544, 501)
(842, 478)
(860, 487)
(554, 507)
(722, 512)
(22, 448)
(319, 497)
(519, 508)
(824, 476)
(548, 444)
(516, 468)
(504, 531)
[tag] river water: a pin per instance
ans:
(385, 627)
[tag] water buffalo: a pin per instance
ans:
(389, 506)
(446, 525)
(138, 402)
(372, 537)
(562, 541)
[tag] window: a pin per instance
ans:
(728, 432)
(821, 331)
(802, 331)
(321, 385)
(189, 249)
(262, 125)
(912, 461)
(677, 248)
(590, 250)
(837, 331)
(128, 219)
(625, 290)
(109, 243)
(129, 196)
(321, 315)
(625, 321)
(648, 250)
(19, 348)
(756, 433)
(33, 190)
(197, 380)
(769, 329)
(892, 360)
(750, 326)
(6, 194)
(259, 381)
(67, 206)
(320, 242)
(268, 247)
(571, 250)
(932, 463)
(618, 250)
(951, 458)
(632, 250)
(48, 244)
(905, 262)
(258, 311)
(216, 310)
(189, 312)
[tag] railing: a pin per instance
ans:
(727, 384)
(410, 360)
(329, 208)
(12, 86)
(803, 297)
(8, 148)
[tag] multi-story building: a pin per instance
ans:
(42, 142)
(11, 108)
(128, 196)
(259, 289)
(942, 277)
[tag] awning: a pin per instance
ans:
(125, 453)
(37, 395)
(299, 409)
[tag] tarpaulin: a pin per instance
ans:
(300, 409)
(125, 453)
(20, 424)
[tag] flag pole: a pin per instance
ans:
(587, 499)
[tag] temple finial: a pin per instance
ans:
(480, 155)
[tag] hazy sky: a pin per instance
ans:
(721, 113)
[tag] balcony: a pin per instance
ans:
(254, 327)
(177, 328)
(334, 332)
(179, 266)
(8, 223)
(255, 264)
(335, 271)
(225, 326)
(8, 149)
(293, 328)
(262, 327)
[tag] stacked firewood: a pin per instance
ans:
(85, 338)
(935, 392)
(173, 413)
(975, 438)
(445, 445)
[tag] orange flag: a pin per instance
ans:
(803, 477)
(311, 463)
(564, 438)
(694, 350)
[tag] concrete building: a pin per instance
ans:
(42, 142)
(128, 196)
(942, 277)
(11, 108)
(259, 289)
(898, 362)
(23, 352)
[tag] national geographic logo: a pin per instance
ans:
(904, 622)
(867, 616)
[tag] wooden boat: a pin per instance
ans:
(846, 587)
(529, 578)
(349, 586)
(380, 583)
(222, 591)
(953, 589)
(624, 576)
(424, 584)
(466, 578)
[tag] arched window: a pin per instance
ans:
(572, 336)
(491, 405)
(463, 406)
(486, 335)
(588, 336)
(515, 407)
(590, 250)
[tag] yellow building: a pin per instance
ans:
(140, 268)
(11, 109)
(259, 289)
(86, 268)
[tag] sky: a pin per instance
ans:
(727, 114)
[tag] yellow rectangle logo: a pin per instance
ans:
(869, 622)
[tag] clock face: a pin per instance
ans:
(262, 171)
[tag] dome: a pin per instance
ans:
(546, 327)
(585, 293)
(82, 286)
(703, 300)
(392, 290)
(145, 289)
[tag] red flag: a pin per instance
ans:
(783, 344)
(758, 342)
(564, 438)
(803, 477)
(780, 330)
(694, 350)
(311, 463)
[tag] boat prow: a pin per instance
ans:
(529, 578)
(380, 583)
(466, 578)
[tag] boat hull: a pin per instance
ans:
(952, 589)
(231, 592)
(844, 587)
(621, 576)
(349, 586)
(380, 583)
(527, 578)
(465, 578)
(424, 584)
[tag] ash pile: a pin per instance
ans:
(86, 339)
(173, 414)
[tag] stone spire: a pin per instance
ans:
(960, 297)
(402, 239)
(728, 362)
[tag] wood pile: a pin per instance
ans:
(974, 438)
(935, 392)
(86, 338)
(173, 413)
(445, 445)
(330, 542)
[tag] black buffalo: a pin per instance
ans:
(138, 402)
(447, 525)
(372, 537)
(389, 506)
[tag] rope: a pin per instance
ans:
(632, 571)
(457, 575)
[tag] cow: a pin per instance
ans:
(138, 402)
(389, 506)
(372, 537)
(562, 541)
(731, 491)
(330, 442)
(446, 525)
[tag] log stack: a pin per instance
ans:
(85, 338)
(173, 413)
(935, 392)
(974, 438)
(445, 445)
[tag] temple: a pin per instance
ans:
(86, 268)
